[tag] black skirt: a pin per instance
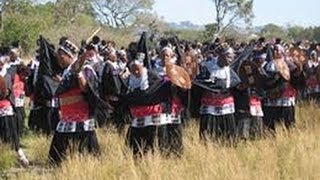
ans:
(174, 140)
(217, 127)
(168, 138)
(9, 131)
(274, 115)
(44, 119)
(20, 115)
(119, 118)
(315, 97)
(101, 115)
(79, 141)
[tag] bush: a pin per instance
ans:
(18, 29)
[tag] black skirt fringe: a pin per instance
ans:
(168, 138)
(44, 119)
(274, 115)
(9, 131)
(81, 142)
(315, 97)
(217, 127)
(101, 115)
(118, 119)
(20, 115)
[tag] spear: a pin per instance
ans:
(93, 34)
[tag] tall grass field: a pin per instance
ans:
(288, 155)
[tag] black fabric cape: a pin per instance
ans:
(142, 47)
(111, 84)
(159, 91)
(46, 86)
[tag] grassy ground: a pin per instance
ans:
(290, 155)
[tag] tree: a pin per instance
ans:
(2, 5)
(209, 32)
(191, 35)
(296, 32)
(68, 11)
(150, 22)
(272, 31)
(316, 34)
(228, 12)
(21, 23)
(120, 13)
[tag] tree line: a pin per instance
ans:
(123, 20)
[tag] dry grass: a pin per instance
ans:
(290, 155)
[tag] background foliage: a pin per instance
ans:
(25, 20)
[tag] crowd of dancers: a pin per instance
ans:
(234, 91)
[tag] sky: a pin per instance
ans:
(281, 12)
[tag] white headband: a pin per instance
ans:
(263, 56)
(135, 62)
(167, 49)
(14, 50)
(66, 51)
